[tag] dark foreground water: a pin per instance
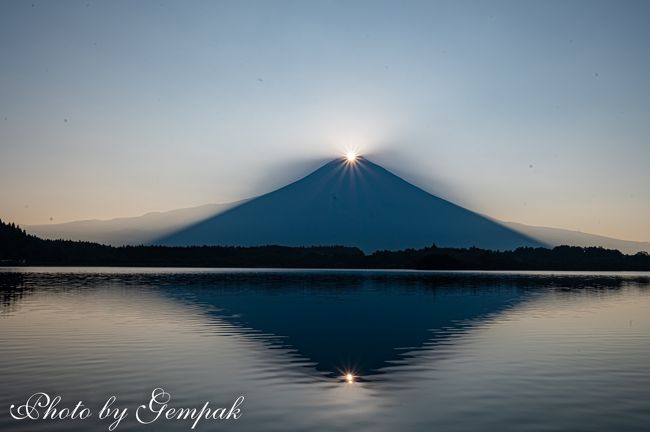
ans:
(427, 351)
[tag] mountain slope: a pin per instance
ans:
(129, 230)
(352, 204)
(558, 236)
(161, 226)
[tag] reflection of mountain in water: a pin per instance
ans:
(352, 322)
(337, 320)
(361, 321)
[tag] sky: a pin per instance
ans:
(527, 111)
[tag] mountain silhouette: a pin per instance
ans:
(347, 203)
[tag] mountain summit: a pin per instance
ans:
(351, 203)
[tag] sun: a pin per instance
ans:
(351, 156)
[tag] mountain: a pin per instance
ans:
(129, 230)
(162, 226)
(558, 236)
(347, 203)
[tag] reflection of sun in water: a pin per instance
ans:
(351, 156)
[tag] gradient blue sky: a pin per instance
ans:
(534, 112)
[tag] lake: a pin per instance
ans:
(331, 350)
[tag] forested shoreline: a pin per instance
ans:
(17, 247)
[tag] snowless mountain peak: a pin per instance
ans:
(350, 201)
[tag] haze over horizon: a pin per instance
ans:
(533, 112)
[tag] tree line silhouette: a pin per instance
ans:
(17, 247)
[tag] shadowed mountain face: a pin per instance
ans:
(352, 204)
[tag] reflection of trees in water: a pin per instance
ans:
(12, 291)
(14, 286)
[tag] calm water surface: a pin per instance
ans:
(429, 351)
